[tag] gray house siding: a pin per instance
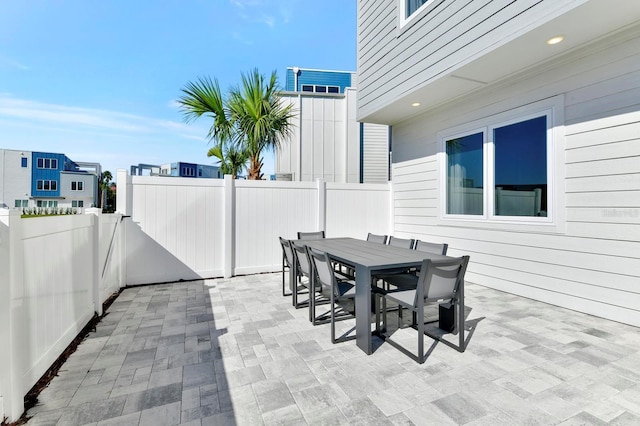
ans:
(590, 260)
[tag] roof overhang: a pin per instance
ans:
(580, 26)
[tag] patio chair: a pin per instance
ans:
(400, 242)
(431, 247)
(439, 280)
(304, 268)
(339, 292)
(311, 235)
(287, 263)
(381, 239)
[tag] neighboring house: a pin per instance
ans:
(178, 169)
(327, 142)
(515, 132)
(45, 179)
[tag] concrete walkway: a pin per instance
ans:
(235, 352)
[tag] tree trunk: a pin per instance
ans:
(255, 168)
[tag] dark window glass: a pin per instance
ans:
(54, 163)
(307, 88)
(47, 163)
(80, 186)
(40, 163)
(413, 5)
(73, 186)
(521, 168)
(465, 175)
(39, 185)
(47, 185)
(333, 89)
(321, 89)
(54, 185)
(23, 162)
(80, 203)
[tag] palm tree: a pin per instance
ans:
(260, 117)
(250, 120)
(231, 159)
(103, 186)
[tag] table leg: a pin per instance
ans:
(461, 316)
(363, 309)
(293, 282)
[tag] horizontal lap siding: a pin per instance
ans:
(393, 60)
(593, 265)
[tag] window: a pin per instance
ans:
(47, 163)
(23, 161)
(411, 6)
(500, 170)
(77, 185)
(77, 203)
(22, 203)
(45, 203)
(47, 185)
(320, 88)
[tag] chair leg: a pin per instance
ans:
(333, 317)
(420, 318)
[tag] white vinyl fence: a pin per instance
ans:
(51, 284)
(189, 228)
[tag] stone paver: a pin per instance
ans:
(234, 351)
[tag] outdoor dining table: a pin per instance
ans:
(369, 259)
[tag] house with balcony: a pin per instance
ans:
(327, 142)
(46, 180)
(177, 169)
(515, 139)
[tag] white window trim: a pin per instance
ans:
(402, 8)
(555, 221)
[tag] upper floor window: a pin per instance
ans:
(77, 185)
(47, 163)
(318, 88)
(23, 162)
(47, 185)
(412, 6)
(500, 171)
(188, 171)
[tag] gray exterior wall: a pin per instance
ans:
(467, 61)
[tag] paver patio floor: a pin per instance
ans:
(234, 351)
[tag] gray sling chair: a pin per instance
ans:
(439, 280)
(287, 264)
(311, 235)
(400, 242)
(340, 293)
(304, 268)
(373, 238)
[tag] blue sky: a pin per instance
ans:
(98, 80)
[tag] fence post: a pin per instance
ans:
(229, 225)
(391, 209)
(96, 270)
(322, 204)
(12, 317)
(124, 194)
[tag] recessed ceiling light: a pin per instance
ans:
(555, 40)
(415, 104)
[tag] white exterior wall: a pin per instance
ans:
(375, 155)
(325, 141)
(87, 193)
(15, 180)
(590, 260)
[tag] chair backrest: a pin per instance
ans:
(381, 239)
(311, 235)
(401, 242)
(323, 270)
(286, 249)
(300, 252)
(440, 279)
(431, 247)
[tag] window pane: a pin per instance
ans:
(39, 185)
(47, 163)
(40, 163)
(73, 186)
(307, 88)
(81, 203)
(465, 175)
(80, 186)
(18, 203)
(54, 185)
(321, 89)
(521, 168)
(54, 163)
(333, 89)
(46, 185)
(23, 162)
(413, 5)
